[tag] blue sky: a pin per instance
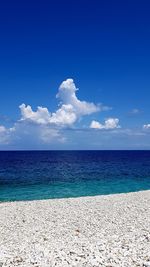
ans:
(99, 47)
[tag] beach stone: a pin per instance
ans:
(146, 264)
(81, 232)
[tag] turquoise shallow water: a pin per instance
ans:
(28, 175)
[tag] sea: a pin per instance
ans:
(34, 175)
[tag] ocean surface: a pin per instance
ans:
(29, 175)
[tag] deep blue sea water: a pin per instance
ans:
(28, 175)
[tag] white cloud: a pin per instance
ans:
(135, 111)
(48, 135)
(111, 123)
(63, 116)
(146, 126)
(4, 135)
(40, 116)
(30, 132)
(71, 108)
(44, 127)
(2, 129)
(67, 94)
(95, 125)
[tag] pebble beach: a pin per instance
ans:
(112, 230)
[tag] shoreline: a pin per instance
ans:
(106, 230)
(75, 197)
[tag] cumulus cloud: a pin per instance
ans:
(111, 123)
(70, 110)
(67, 94)
(146, 126)
(41, 126)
